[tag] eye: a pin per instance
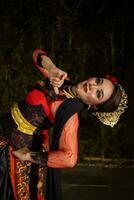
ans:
(98, 81)
(98, 94)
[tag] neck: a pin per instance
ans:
(70, 91)
(74, 91)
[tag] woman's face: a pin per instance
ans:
(94, 91)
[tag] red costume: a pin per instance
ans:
(37, 113)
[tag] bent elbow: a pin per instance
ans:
(72, 165)
(72, 162)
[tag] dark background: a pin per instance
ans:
(84, 38)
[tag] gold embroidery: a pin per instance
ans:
(22, 178)
(23, 125)
(42, 172)
(23, 171)
(69, 93)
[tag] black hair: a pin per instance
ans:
(112, 103)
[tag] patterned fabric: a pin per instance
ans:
(28, 180)
(34, 115)
(6, 192)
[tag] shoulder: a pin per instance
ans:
(35, 96)
(56, 104)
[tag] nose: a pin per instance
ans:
(92, 86)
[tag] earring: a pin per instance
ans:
(89, 106)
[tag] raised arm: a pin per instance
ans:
(49, 69)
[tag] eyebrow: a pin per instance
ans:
(102, 93)
(101, 80)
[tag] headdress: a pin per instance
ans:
(111, 118)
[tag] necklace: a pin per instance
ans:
(68, 93)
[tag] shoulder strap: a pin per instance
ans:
(68, 108)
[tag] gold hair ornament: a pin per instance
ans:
(111, 118)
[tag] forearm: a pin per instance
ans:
(48, 69)
(47, 63)
(38, 157)
(54, 159)
(61, 159)
(66, 155)
(42, 62)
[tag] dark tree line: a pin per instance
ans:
(82, 37)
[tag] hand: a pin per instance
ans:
(39, 157)
(23, 154)
(57, 77)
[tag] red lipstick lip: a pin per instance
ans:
(85, 87)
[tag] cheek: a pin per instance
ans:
(92, 99)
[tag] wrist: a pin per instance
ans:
(47, 63)
(40, 157)
(51, 67)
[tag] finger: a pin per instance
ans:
(36, 162)
(56, 90)
(17, 154)
(44, 146)
(56, 84)
(14, 154)
(57, 79)
(33, 153)
(63, 76)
